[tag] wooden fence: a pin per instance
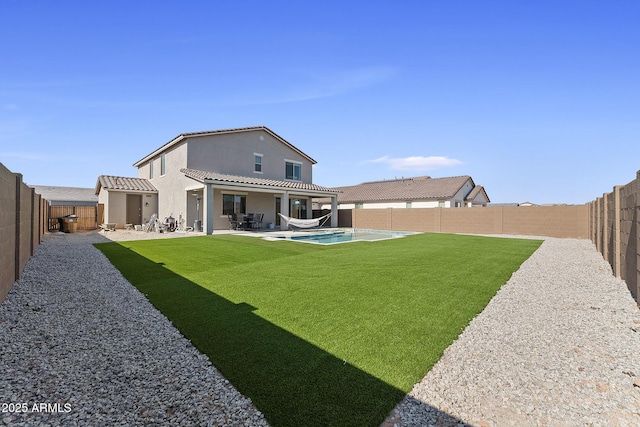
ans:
(87, 216)
(23, 221)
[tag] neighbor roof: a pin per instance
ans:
(406, 189)
(203, 176)
(478, 189)
(123, 183)
(183, 136)
(66, 194)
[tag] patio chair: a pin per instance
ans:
(234, 224)
(111, 226)
(257, 221)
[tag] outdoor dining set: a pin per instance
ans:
(248, 221)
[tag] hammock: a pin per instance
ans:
(305, 223)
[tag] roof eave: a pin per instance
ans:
(184, 136)
(263, 187)
(153, 154)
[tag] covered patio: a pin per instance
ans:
(215, 196)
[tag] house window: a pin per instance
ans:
(257, 163)
(359, 205)
(441, 203)
(234, 204)
(408, 205)
(458, 205)
(293, 171)
(151, 169)
(298, 208)
(163, 164)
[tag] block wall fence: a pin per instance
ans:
(614, 220)
(551, 221)
(23, 221)
(611, 222)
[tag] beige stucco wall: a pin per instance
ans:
(172, 197)
(115, 203)
(257, 202)
(116, 210)
(234, 153)
(231, 154)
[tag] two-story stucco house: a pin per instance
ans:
(203, 177)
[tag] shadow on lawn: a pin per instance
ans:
(293, 382)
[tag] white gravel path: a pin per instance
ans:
(75, 335)
(559, 345)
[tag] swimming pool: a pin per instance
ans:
(342, 236)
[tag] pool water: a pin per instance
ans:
(332, 237)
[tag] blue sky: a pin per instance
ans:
(537, 101)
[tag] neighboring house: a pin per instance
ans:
(417, 192)
(203, 177)
(67, 196)
(62, 201)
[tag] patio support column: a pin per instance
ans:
(284, 208)
(334, 211)
(207, 209)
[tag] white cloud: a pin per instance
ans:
(417, 163)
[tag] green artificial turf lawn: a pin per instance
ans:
(321, 335)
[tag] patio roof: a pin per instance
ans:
(123, 183)
(219, 178)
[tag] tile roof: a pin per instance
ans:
(183, 136)
(474, 193)
(67, 194)
(405, 189)
(202, 176)
(123, 183)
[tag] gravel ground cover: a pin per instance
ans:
(79, 345)
(559, 345)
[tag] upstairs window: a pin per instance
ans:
(293, 171)
(163, 164)
(151, 169)
(257, 162)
